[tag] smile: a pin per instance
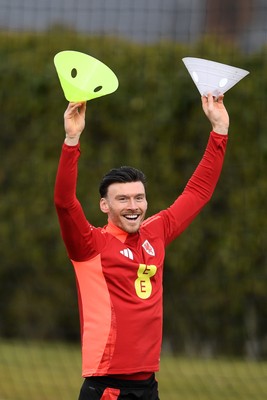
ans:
(131, 217)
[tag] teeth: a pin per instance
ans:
(131, 216)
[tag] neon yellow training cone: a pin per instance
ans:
(83, 77)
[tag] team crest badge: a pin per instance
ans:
(148, 248)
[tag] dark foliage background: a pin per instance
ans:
(215, 287)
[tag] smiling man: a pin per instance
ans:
(123, 198)
(119, 267)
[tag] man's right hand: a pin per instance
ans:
(74, 122)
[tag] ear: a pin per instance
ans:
(104, 207)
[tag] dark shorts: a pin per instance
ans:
(104, 388)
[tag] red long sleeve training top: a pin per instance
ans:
(119, 275)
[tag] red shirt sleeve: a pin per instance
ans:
(196, 194)
(75, 228)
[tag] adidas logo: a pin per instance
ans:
(127, 253)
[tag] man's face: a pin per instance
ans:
(125, 205)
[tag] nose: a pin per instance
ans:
(132, 204)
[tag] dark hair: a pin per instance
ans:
(120, 175)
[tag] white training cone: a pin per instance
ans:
(213, 77)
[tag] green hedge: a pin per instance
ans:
(215, 273)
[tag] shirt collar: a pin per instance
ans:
(116, 231)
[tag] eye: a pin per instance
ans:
(122, 198)
(140, 198)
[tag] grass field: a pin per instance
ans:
(45, 371)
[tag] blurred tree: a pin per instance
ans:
(215, 273)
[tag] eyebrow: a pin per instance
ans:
(128, 195)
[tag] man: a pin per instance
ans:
(119, 267)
